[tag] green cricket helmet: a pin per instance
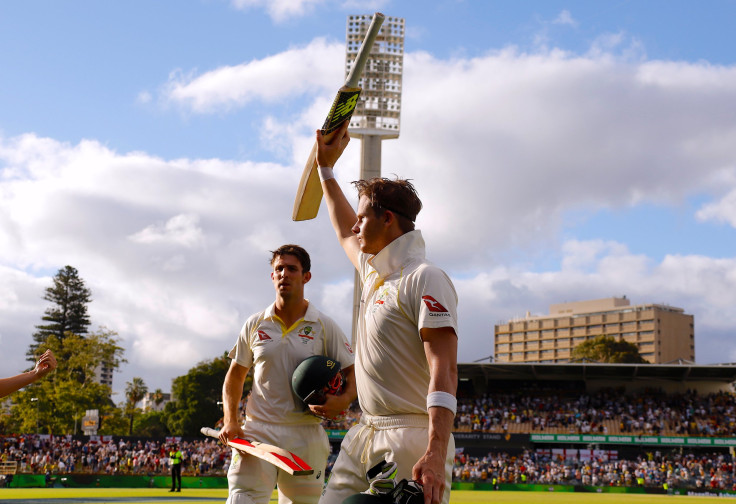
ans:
(315, 377)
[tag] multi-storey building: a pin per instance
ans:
(662, 333)
(104, 374)
(153, 403)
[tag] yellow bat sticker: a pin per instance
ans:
(342, 108)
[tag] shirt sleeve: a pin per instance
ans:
(242, 352)
(336, 344)
(434, 299)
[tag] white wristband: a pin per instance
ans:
(325, 173)
(442, 400)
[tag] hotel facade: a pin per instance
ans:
(663, 334)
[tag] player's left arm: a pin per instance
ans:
(440, 347)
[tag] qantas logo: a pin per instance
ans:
(347, 345)
(433, 304)
(262, 336)
(434, 307)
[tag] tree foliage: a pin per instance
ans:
(64, 395)
(68, 312)
(195, 396)
(135, 391)
(150, 424)
(607, 349)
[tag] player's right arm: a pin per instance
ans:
(232, 391)
(342, 214)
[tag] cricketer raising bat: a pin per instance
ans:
(283, 459)
(309, 192)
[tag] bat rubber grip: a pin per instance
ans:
(207, 431)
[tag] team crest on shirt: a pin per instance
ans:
(305, 334)
(381, 299)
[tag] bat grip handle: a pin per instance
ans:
(207, 431)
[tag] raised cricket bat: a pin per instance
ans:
(283, 459)
(309, 192)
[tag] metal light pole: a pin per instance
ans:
(377, 113)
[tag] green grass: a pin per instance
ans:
(157, 495)
(113, 495)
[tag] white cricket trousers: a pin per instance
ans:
(397, 438)
(252, 480)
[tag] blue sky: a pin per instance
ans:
(563, 150)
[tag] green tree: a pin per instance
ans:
(195, 396)
(73, 388)
(68, 312)
(135, 391)
(157, 397)
(150, 424)
(607, 349)
(113, 422)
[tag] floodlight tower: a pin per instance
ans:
(377, 113)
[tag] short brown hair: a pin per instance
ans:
(397, 196)
(297, 252)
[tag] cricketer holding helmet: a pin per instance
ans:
(273, 342)
(406, 342)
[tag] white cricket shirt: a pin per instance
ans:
(274, 351)
(402, 293)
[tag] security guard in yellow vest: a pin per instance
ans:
(175, 460)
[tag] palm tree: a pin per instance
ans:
(157, 397)
(135, 391)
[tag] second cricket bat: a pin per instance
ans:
(283, 459)
(309, 192)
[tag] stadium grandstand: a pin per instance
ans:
(571, 424)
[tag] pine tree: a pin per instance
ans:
(68, 313)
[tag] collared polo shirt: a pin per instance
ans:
(274, 351)
(402, 293)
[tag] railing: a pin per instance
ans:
(9, 467)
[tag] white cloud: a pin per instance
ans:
(518, 139)
(144, 97)
(277, 78)
(180, 230)
(722, 210)
(280, 10)
(500, 147)
(565, 18)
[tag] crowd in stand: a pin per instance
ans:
(606, 412)
(686, 414)
(60, 455)
(712, 471)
